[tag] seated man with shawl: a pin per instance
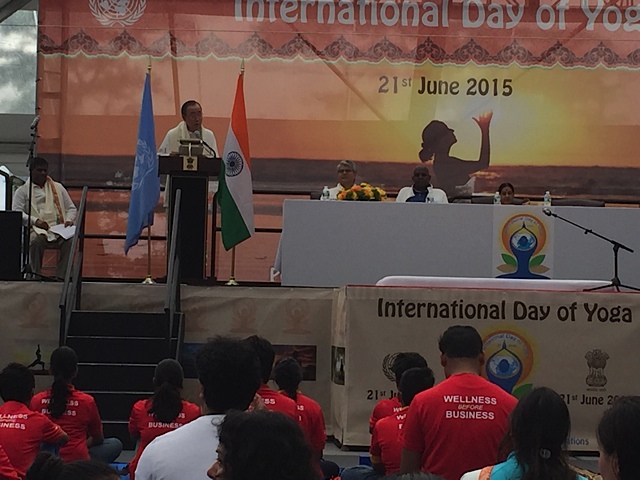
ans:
(50, 205)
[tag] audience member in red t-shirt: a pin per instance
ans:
(163, 412)
(7, 472)
(274, 401)
(386, 448)
(21, 429)
(49, 467)
(75, 412)
(287, 373)
(402, 362)
(456, 426)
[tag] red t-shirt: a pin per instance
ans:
(311, 421)
(7, 472)
(385, 441)
(79, 421)
(21, 433)
(276, 402)
(143, 425)
(458, 425)
(384, 408)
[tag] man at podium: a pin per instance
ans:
(190, 127)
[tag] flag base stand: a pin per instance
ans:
(232, 282)
(148, 280)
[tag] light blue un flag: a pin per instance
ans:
(145, 187)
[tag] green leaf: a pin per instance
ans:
(521, 390)
(535, 261)
(509, 260)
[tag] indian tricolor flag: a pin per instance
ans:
(236, 189)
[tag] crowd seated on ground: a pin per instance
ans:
(237, 435)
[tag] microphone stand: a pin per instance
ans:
(615, 281)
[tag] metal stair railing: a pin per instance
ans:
(172, 299)
(70, 299)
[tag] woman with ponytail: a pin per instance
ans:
(539, 429)
(163, 412)
(76, 412)
(50, 467)
(287, 373)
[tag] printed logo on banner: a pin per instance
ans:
(509, 361)
(521, 247)
(597, 361)
(117, 12)
(387, 363)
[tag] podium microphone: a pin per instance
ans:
(547, 211)
(35, 122)
(211, 150)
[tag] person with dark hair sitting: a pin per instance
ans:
(229, 376)
(287, 373)
(386, 449)
(619, 440)
(49, 467)
(22, 430)
(75, 412)
(50, 205)
(261, 445)
(274, 401)
(540, 426)
(163, 412)
(456, 426)
(402, 362)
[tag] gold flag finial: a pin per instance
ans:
(242, 66)
(149, 65)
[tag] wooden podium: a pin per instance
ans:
(192, 177)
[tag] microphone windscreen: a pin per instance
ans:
(196, 134)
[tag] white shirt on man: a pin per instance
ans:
(184, 453)
(435, 195)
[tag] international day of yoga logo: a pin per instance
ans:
(509, 361)
(523, 239)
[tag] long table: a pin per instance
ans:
(330, 244)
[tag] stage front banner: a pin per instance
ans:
(297, 322)
(583, 345)
(542, 94)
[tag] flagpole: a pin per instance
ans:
(232, 278)
(148, 280)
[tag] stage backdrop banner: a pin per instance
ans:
(583, 345)
(379, 82)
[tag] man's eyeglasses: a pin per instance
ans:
(421, 175)
(345, 170)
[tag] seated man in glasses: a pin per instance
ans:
(346, 178)
(421, 190)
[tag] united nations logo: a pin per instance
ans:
(233, 164)
(387, 363)
(596, 360)
(145, 162)
(117, 12)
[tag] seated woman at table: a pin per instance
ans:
(538, 431)
(507, 192)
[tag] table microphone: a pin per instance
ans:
(547, 211)
(35, 122)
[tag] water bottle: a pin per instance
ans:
(546, 201)
(325, 193)
(496, 198)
